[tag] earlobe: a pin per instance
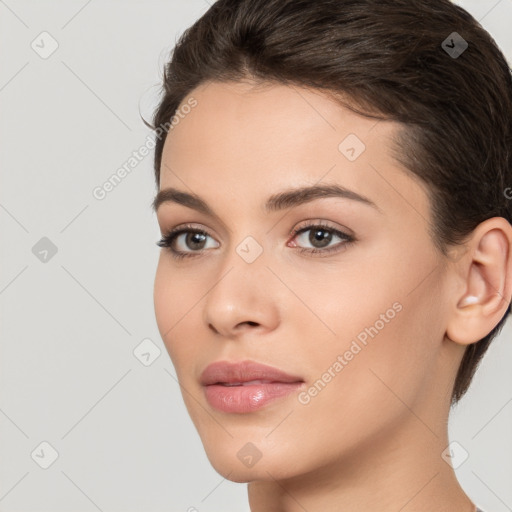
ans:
(468, 300)
(487, 274)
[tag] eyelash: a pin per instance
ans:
(168, 239)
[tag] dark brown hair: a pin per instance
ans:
(384, 59)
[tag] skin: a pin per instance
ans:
(372, 439)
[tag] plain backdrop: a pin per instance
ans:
(77, 273)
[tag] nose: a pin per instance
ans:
(241, 299)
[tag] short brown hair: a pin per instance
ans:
(391, 59)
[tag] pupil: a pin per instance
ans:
(193, 237)
(318, 237)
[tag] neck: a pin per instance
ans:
(401, 470)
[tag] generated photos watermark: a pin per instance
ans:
(304, 397)
(100, 192)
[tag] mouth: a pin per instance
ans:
(246, 386)
(247, 383)
(243, 373)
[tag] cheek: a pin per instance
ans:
(173, 302)
(365, 398)
(381, 338)
(162, 299)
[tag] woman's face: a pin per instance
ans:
(361, 324)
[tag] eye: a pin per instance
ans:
(189, 237)
(320, 236)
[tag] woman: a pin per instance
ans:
(335, 205)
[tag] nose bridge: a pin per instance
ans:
(248, 245)
(241, 291)
(243, 271)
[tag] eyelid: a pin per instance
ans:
(308, 223)
(346, 235)
(318, 222)
(186, 228)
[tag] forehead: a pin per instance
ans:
(244, 138)
(269, 121)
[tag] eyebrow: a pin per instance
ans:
(279, 201)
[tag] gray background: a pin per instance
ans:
(70, 324)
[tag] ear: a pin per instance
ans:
(484, 274)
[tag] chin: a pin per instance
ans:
(230, 465)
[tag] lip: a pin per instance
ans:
(228, 385)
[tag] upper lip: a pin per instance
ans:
(244, 371)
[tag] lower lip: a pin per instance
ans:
(243, 399)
